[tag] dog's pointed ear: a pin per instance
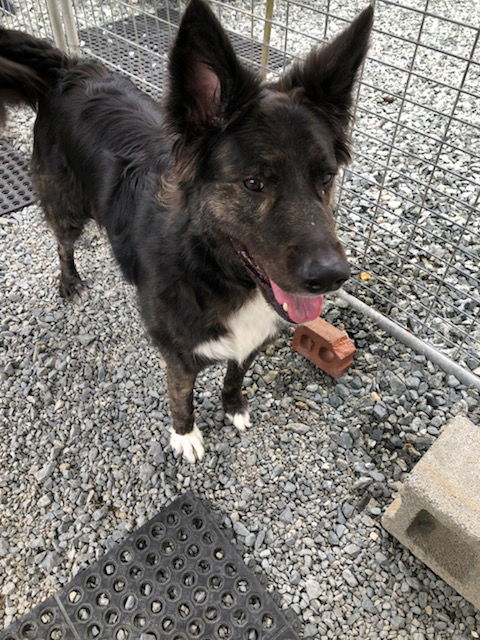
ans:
(328, 74)
(208, 85)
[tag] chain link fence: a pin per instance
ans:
(408, 206)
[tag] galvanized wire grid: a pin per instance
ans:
(408, 205)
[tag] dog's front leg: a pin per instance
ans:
(234, 402)
(186, 438)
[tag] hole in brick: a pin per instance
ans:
(203, 566)
(183, 610)
(157, 531)
(251, 634)
(112, 616)
(56, 634)
(306, 342)
(92, 582)
(193, 550)
(74, 596)
(93, 631)
(187, 508)
(326, 354)
(102, 599)
(197, 523)
(122, 634)
(156, 606)
(195, 628)
(211, 614)
(119, 585)
(140, 620)
(450, 549)
(46, 617)
(145, 589)
(239, 617)
(126, 556)
(29, 630)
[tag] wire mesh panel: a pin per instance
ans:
(408, 205)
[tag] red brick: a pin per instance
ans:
(327, 347)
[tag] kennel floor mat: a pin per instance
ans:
(138, 46)
(15, 183)
(175, 578)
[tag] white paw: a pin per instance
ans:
(190, 445)
(240, 420)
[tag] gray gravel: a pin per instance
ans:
(85, 458)
(83, 446)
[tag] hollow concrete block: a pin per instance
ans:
(437, 512)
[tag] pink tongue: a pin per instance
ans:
(300, 308)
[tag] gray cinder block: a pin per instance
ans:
(437, 512)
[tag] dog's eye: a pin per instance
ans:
(328, 179)
(253, 184)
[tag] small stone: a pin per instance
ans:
(349, 578)
(313, 589)
(286, 516)
(85, 339)
(240, 529)
(44, 501)
(298, 427)
(379, 412)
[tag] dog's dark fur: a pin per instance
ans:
(228, 169)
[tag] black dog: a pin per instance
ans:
(217, 205)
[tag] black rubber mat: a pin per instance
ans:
(175, 578)
(15, 183)
(138, 46)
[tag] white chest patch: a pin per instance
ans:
(247, 329)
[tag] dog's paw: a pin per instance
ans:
(72, 288)
(240, 419)
(190, 445)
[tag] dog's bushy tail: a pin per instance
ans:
(28, 68)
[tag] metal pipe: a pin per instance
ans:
(56, 22)
(399, 333)
(267, 30)
(73, 43)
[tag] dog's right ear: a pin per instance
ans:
(208, 85)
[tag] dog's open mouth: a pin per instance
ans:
(289, 306)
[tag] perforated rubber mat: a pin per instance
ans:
(175, 578)
(138, 47)
(15, 183)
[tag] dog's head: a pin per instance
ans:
(262, 157)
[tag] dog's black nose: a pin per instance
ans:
(321, 277)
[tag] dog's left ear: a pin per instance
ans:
(328, 74)
(208, 85)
